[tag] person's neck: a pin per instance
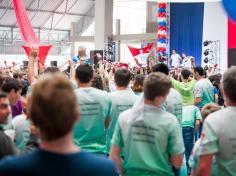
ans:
(10, 101)
(185, 80)
(84, 85)
(64, 145)
(229, 103)
(201, 77)
(121, 88)
(152, 103)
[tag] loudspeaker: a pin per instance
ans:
(53, 63)
(95, 56)
(232, 57)
(25, 64)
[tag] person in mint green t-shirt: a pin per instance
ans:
(122, 99)
(151, 139)
(194, 158)
(203, 92)
(186, 87)
(190, 122)
(203, 89)
(219, 133)
(22, 131)
(95, 107)
(174, 102)
(191, 117)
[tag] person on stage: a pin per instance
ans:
(162, 58)
(187, 61)
(175, 59)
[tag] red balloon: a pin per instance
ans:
(161, 15)
(161, 49)
(162, 28)
(162, 5)
(161, 36)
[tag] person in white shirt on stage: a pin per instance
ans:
(187, 61)
(175, 59)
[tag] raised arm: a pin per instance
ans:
(31, 65)
(72, 69)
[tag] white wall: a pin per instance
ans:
(215, 27)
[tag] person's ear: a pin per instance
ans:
(77, 80)
(226, 97)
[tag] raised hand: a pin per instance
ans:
(82, 52)
(34, 52)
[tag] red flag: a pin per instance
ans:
(43, 52)
(136, 51)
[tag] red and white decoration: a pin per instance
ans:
(161, 29)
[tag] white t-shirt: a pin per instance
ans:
(186, 62)
(175, 60)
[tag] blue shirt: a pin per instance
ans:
(41, 162)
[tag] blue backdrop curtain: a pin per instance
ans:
(186, 29)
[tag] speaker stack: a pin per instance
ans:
(53, 63)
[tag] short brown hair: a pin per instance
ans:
(156, 84)
(52, 106)
(229, 83)
(122, 77)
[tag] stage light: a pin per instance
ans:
(206, 60)
(207, 42)
(206, 52)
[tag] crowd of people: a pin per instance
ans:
(116, 120)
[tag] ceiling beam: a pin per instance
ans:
(66, 12)
(124, 37)
(85, 22)
(6, 9)
(47, 11)
(10, 8)
(52, 13)
(38, 28)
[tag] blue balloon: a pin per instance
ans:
(162, 41)
(76, 59)
(230, 7)
(163, 23)
(161, 10)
